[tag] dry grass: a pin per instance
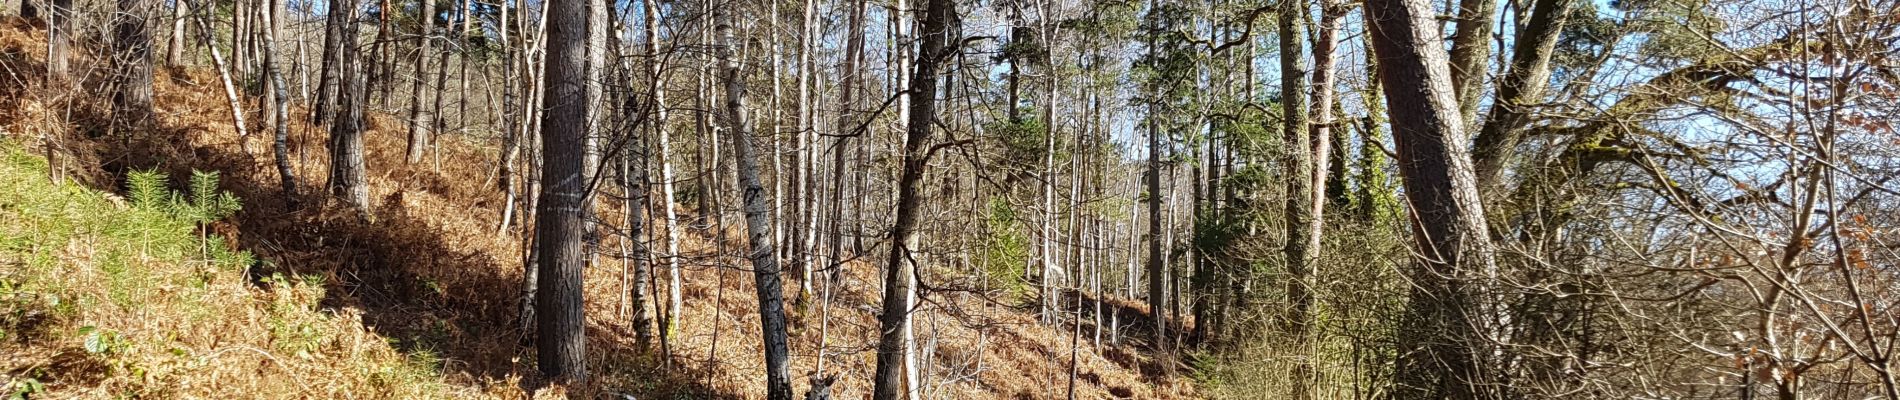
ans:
(430, 276)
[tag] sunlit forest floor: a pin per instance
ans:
(419, 299)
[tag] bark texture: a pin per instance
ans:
(1520, 90)
(899, 276)
(347, 172)
(1445, 335)
(280, 109)
(132, 49)
(421, 115)
(59, 37)
(565, 199)
(334, 35)
(1471, 53)
(765, 265)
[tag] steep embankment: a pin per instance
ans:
(427, 286)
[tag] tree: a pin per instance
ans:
(1519, 90)
(280, 111)
(59, 37)
(1302, 222)
(566, 196)
(231, 96)
(175, 50)
(1157, 274)
(765, 267)
(348, 179)
(132, 48)
(1444, 338)
(421, 115)
(339, 14)
(1471, 53)
(899, 275)
(663, 145)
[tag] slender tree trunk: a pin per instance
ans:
(536, 86)
(775, 69)
(301, 67)
(436, 123)
(347, 173)
(1471, 53)
(663, 138)
(1157, 278)
(420, 113)
(759, 231)
(59, 34)
(1299, 160)
(1520, 89)
(634, 178)
(230, 87)
(807, 148)
(597, 111)
(280, 109)
(175, 50)
(566, 200)
(1045, 228)
(382, 72)
(852, 59)
(240, 32)
(1446, 333)
(510, 136)
(132, 44)
(900, 275)
(328, 89)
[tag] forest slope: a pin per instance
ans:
(433, 283)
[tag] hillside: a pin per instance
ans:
(418, 300)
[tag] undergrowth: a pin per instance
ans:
(102, 296)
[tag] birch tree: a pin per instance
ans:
(765, 267)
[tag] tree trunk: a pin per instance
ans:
(1045, 228)
(230, 87)
(1445, 336)
(1157, 278)
(847, 91)
(510, 136)
(328, 90)
(566, 200)
(420, 114)
(347, 174)
(175, 50)
(1471, 53)
(900, 276)
(807, 149)
(280, 109)
(1301, 222)
(59, 34)
(381, 73)
(240, 32)
(1519, 90)
(765, 266)
(132, 104)
(663, 144)
(633, 179)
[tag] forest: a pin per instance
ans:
(950, 199)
